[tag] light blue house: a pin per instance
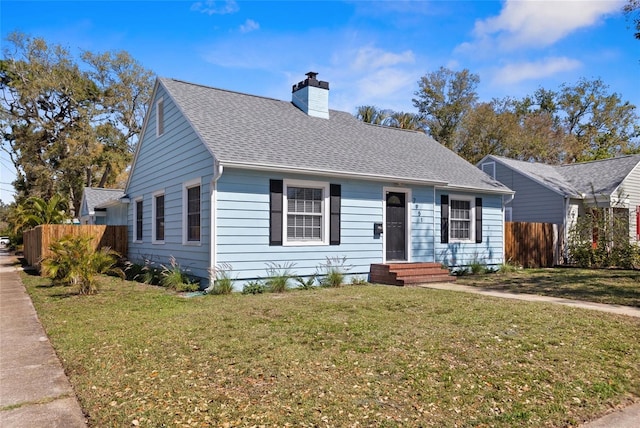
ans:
(221, 177)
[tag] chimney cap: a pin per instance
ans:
(311, 81)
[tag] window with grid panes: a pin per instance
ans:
(460, 220)
(304, 214)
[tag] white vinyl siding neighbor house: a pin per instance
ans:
(249, 181)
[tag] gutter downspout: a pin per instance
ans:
(218, 169)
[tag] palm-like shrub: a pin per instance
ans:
(45, 211)
(73, 261)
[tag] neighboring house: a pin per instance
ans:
(561, 193)
(225, 178)
(103, 206)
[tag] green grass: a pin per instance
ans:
(348, 356)
(619, 287)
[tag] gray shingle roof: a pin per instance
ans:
(97, 196)
(601, 177)
(241, 129)
(547, 175)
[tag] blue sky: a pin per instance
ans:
(372, 53)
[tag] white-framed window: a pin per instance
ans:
(461, 219)
(138, 216)
(191, 212)
(489, 168)
(306, 219)
(157, 215)
(159, 117)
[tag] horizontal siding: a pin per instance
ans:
(422, 217)
(117, 215)
(532, 202)
(242, 226)
(631, 188)
(490, 251)
(163, 164)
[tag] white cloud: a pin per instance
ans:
(384, 84)
(369, 57)
(527, 23)
(377, 77)
(518, 72)
(212, 7)
(358, 73)
(249, 25)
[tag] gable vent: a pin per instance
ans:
(312, 96)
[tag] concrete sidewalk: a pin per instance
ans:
(34, 390)
(613, 309)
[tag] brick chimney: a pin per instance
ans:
(312, 96)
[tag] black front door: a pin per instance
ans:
(396, 226)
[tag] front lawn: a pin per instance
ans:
(352, 356)
(619, 287)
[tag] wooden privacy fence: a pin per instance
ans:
(532, 244)
(38, 239)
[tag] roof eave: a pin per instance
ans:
(111, 203)
(332, 173)
(505, 191)
(353, 175)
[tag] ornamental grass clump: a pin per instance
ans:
(278, 276)
(333, 271)
(174, 278)
(221, 279)
(73, 261)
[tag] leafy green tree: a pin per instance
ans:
(597, 123)
(443, 98)
(632, 10)
(34, 211)
(5, 210)
(486, 130)
(577, 123)
(65, 126)
(73, 261)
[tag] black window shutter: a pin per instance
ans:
(334, 210)
(444, 219)
(478, 220)
(275, 212)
